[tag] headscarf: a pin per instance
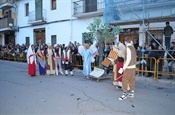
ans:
(122, 49)
(30, 58)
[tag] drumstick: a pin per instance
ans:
(119, 77)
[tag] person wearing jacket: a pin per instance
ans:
(128, 70)
(168, 31)
(171, 61)
(150, 62)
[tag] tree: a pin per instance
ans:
(88, 37)
(102, 33)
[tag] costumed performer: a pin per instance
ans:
(58, 55)
(50, 60)
(88, 55)
(119, 64)
(41, 60)
(128, 70)
(31, 60)
(67, 61)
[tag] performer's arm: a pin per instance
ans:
(128, 58)
(31, 55)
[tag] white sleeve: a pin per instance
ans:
(128, 58)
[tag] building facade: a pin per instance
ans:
(51, 21)
(61, 21)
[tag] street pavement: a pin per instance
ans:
(21, 94)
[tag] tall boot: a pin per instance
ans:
(71, 73)
(66, 72)
(119, 85)
(61, 72)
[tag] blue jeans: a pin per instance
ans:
(167, 42)
(170, 66)
(160, 68)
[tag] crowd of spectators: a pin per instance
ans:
(10, 51)
(153, 50)
(19, 51)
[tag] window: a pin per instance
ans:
(90, 5)
(27, 41)
(53, 3)
(38, 10)
(53, 39)
(27, 9)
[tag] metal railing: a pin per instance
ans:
(33, 16)
(152, 64)
(13, 56)
(78, 62)
(148, 67)
(80, 7)
(6, 1)
(4, 22)
(160, 68)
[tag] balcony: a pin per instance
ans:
(82, 9)
(4, 24)
(37, 18)
(6, 4)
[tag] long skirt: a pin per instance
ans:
(32, 69)
(50, 66)
(42, 70)
(119, 65)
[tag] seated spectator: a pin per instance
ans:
(171, 62)
(142, 52)
(155, 42)
(160, 54)
(150, 61)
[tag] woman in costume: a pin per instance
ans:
(41, 60)
(50, 60)
(58, 55)
(31, 60)
(88, 53)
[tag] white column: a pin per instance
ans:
(2, 39)
(142, 38)
(16, 38)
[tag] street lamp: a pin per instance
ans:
(14, 28)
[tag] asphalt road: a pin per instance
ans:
(21, 94)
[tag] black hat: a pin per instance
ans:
(167, 23)
(173, 42)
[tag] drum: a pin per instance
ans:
(113, 54)
(106, 62)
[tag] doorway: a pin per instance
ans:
(39, 36)
(10, 38)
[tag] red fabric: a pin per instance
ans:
(58, 56)
(119, 65)
(32, 69)
(66, 59)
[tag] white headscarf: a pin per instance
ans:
(29, 53)
(122, 48)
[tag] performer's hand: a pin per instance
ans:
(120, 71)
